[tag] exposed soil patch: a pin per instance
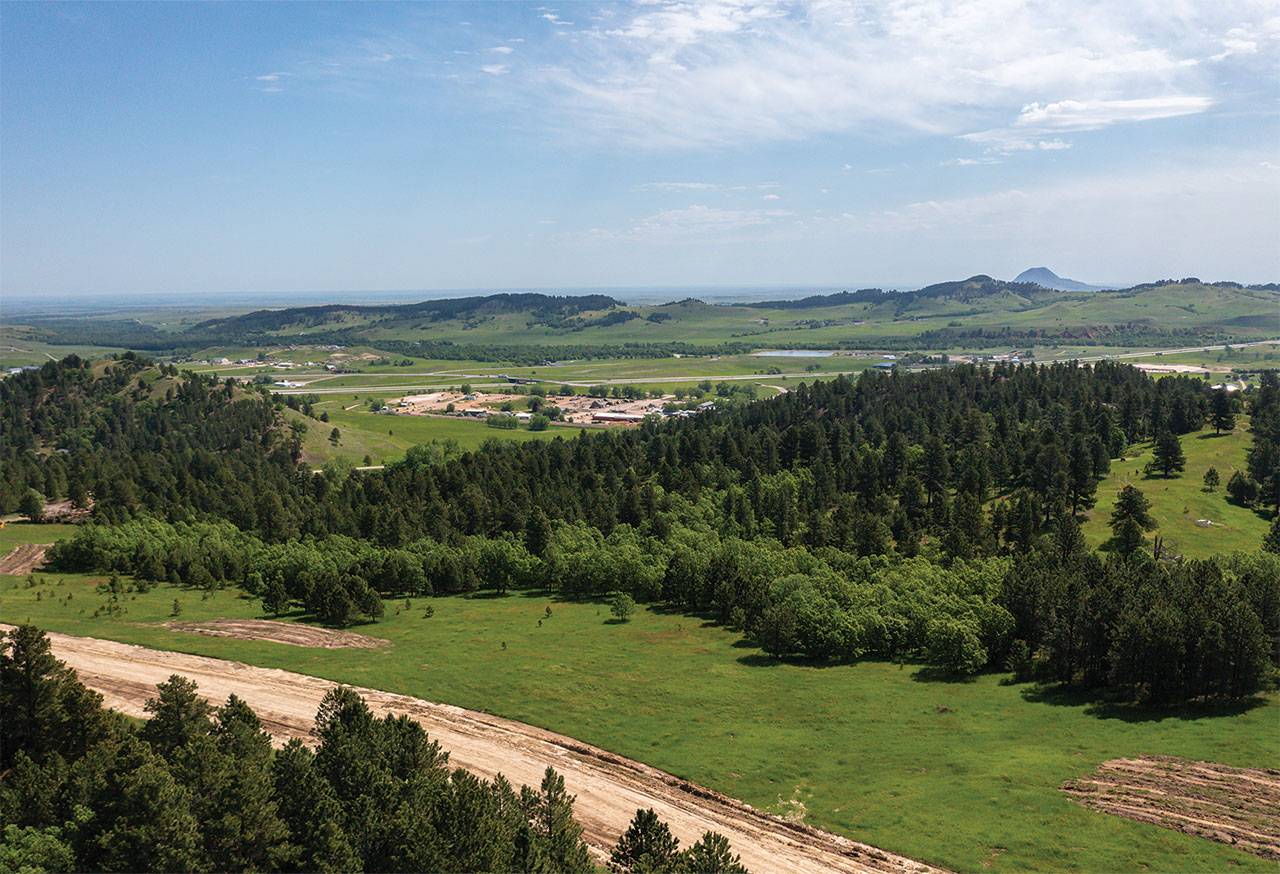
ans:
(609, 788)
(65, 511)
(23, 559)
(1237, 806)
(278, 632)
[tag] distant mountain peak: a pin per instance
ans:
(1046, 278)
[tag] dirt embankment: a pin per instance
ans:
(278, 632)
(1237, 806)
(23, 559)
(609, 788)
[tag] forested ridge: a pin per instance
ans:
(928, 515)
(198, 788)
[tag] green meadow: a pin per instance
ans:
(1180, 502)
(964, 775)
(386, 438)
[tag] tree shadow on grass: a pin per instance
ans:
(1108, 705)
(935, 674)
(761, 660)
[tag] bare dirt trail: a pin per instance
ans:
(293, 633)
(1237, 806)
(23, 559)
(609, 788)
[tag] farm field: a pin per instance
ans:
(1177, 503)
(874, 751)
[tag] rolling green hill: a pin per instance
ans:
(973, 314)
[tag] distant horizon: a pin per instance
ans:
(629, 295)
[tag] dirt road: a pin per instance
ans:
(23, 559)
(609, 788)
(1237, 806)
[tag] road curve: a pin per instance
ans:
(609, 788)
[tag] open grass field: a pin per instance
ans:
(1177, 503)
(385, 438)
(964, 775)
(17, 533)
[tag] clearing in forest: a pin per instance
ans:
(1237, 806)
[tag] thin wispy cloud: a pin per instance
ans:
(676, 186)
(685, 74)
(1040, 119)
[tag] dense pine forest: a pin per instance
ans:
(926, 516)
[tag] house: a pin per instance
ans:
(884, 365)
(219, 360)
(706, 406)
(598, 405)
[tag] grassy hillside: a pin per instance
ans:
(875, 751)
(1216, 311)
(975, 314)
(1180, 502)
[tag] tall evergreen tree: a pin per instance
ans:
(1222, 411)
(1132, 505)
(1168, 454)
(556, 829)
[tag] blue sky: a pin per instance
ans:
(191, 150)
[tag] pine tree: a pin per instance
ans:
(1222, 411)
(557, 830)
(711, 855)
(1211, 479)
(1132, 505)
(178, 715)
(646, 845)
(1168, 454)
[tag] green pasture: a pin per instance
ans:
(16, 533)
(1177, 503)
(964, 775)
(385, 438)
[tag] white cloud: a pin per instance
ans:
(1068, 115)
(678, 72)
(676, 186)
(495, 69)
(502, 50)
(1040, 119)
(703, 219)
(771, 197)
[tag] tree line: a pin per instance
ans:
(198, 788)
(894, 502)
